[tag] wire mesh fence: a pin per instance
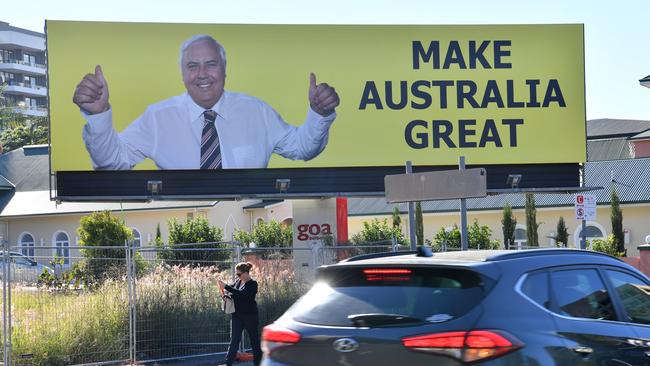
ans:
(121, 305)
(63, 321)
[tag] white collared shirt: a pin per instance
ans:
(169, 133)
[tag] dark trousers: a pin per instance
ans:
(238, 323)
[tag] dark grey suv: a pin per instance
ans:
(537, 307)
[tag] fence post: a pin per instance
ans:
(6, 303)
(129, 278)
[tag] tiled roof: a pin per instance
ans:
(608, 149)
(36, 203)
(262, 204)
(631, 179)
(607, 128)
(641, 136)
(27, 168)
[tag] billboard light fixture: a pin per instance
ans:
(154, 187)
(282, 185)
(513, 180)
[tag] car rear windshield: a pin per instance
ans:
(390, 296)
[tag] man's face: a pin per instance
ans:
(204, 73)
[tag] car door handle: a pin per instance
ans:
(583, 350)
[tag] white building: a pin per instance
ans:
(23, 69)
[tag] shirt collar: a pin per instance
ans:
(196, 111)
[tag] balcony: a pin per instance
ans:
(31, 111)
(22, 67)
(29, 90)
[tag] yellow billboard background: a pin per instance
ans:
(273, 62)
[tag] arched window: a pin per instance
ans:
(593, 230)
(26, 242)
(137, 238)
(259, 221)
(62, 244)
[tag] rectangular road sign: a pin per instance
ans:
(441, 185)
(585, 206)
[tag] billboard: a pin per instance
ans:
(496, 94)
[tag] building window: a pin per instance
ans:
(26, 243)
(62, 244)
(29, 59)
(6, 77)
(29, 81)
(259, 221)
(593, 230)
(137, 238)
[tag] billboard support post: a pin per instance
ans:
(463, 211)
(583, 235)
(409, 170)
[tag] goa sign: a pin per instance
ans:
(313, 231)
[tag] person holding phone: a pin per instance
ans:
(246, 315)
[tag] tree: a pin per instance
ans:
(100, 229)
(562, 236)
(617, 222)
(397, 220)
(158, 233)
(419, 226)
(19, 136)
(509, 224)
(186, 237)
(18, 129)
(531, 221)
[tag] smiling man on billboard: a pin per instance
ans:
(206, 127)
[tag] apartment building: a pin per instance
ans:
(23, 70)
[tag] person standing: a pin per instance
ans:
(246, 315)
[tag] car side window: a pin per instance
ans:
(634, 294)
(536, 288)
(22, 261)
(581, 293)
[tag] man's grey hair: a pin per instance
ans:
(202, 37)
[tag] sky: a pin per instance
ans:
(617, 51)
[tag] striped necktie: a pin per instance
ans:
(210, 150)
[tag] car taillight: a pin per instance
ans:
(466, 346)
(275, 336)
(387, 274)
(378, 271)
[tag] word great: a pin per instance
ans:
(421, 134)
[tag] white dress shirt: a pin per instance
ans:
(169, 133)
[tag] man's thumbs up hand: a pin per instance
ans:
(322, 97)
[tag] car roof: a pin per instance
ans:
(475, 257)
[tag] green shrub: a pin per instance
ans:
(478, 237)
(607, 246)
(186, 237)
(377, 230)
(100, 229)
